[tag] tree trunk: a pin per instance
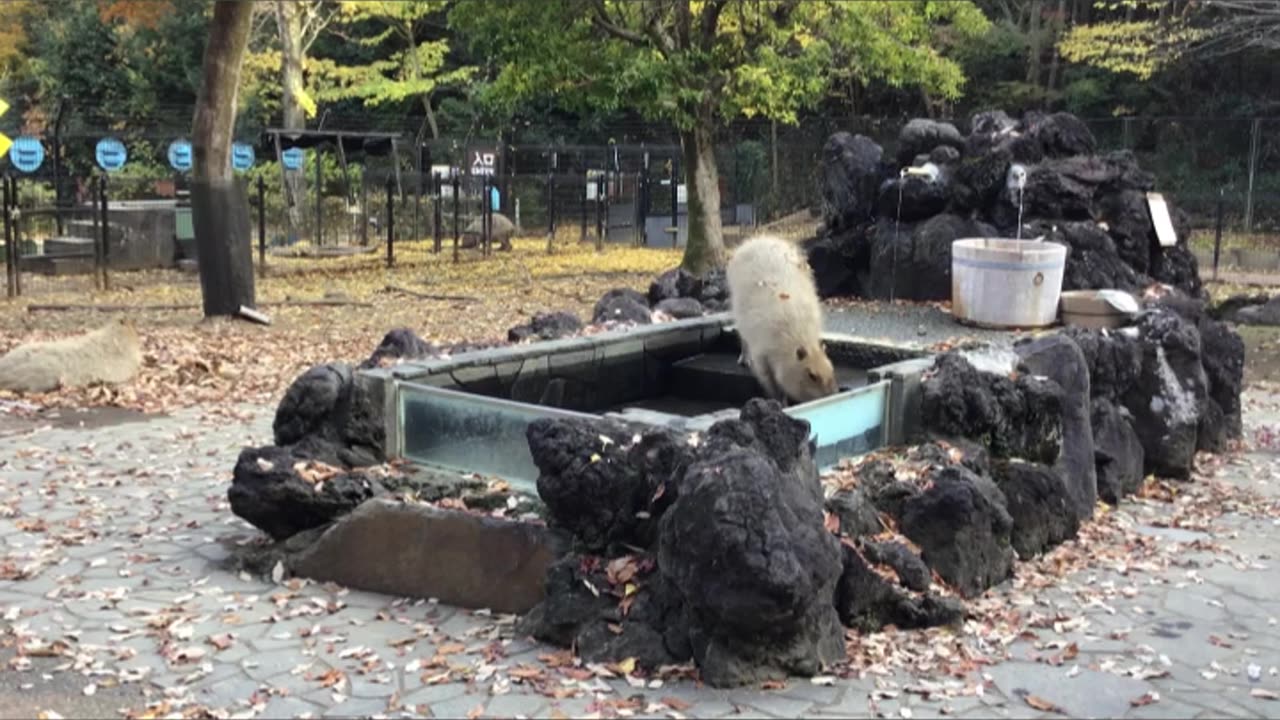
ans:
(219, 206)
(289, 26)
(705, 248)
(431, 117)
(1033, 37)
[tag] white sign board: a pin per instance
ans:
(1160, 218)
(593, 182)
(682, 195)
(442, 171)
(483, 162)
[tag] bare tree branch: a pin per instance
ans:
(600, 18)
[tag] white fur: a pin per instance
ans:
(776, 310)
(110, 354)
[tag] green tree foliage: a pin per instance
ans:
(699, 63)
(411, 61)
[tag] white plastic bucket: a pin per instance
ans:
(1006, 283)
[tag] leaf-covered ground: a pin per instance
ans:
(188, 360)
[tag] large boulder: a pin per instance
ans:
(334, 415)
(1114, 359)
(979, 179)
(868, 601)
(922, 269)
(850, 180)
(1117, 451)
(745, 546)
(1052, 193)
(1128, 221)
(270, 490)
(1058, 358)
(912, 199)
(585, 477)
(680, 308)
(840, 262)
(675, 283)
(1045, 513)
(1014, 418)
(1093, 263)
(1060, 134)
(1222, 353)
(399, 344)
(1168, 398)
(546, 326)
(622, 305)
(920, 135)
(963, 528)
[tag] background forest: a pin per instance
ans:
(1189, 85)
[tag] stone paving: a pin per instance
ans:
(116, 597)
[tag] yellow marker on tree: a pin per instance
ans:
(5, 142)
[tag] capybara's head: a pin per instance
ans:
(810, 375)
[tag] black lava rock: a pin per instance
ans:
(546, 326)
(399, 343)
(868, 602)
(963, 529)
(1019, 418)
(1043, 510)
(1060, 359)
(267, 492)
(745, 546)
(1117, 451)
(920, 136)
(590, 486)
(675, 283)
(326, 408)
(850, 180)
(622, 305)
(923, 264)
(681, 308)
(1169, 396)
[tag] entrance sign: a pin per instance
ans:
(483, 162)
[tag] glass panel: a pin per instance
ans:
(471, 433)
(847, 424)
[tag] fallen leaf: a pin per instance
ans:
(1262, 694)
(1041, 704)
(221, 641)
(676, 704)
(1146, 698)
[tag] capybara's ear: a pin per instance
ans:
(801, 354)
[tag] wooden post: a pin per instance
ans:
(457, 203)
(391, 221)
(106, 234)
(1217, 236)
(262, 225)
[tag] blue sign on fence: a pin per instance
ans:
(180, 155)
(27, 154)
(242, 156)
(111, 154)
(292, 158)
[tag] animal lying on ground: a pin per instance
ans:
(778, 316)
(110, 354)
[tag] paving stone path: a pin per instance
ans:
(116, 600)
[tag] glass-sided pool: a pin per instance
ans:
(469, 413)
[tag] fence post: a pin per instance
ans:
(262, 226)
(97, 233)
(583, 195)
(391, 221)
(1255, 133)
(675, 206)
(319, 199)
(599, 211)
(437, 197)
(1217, 236)
(10, 289)
(106, 235)
(457, 202)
